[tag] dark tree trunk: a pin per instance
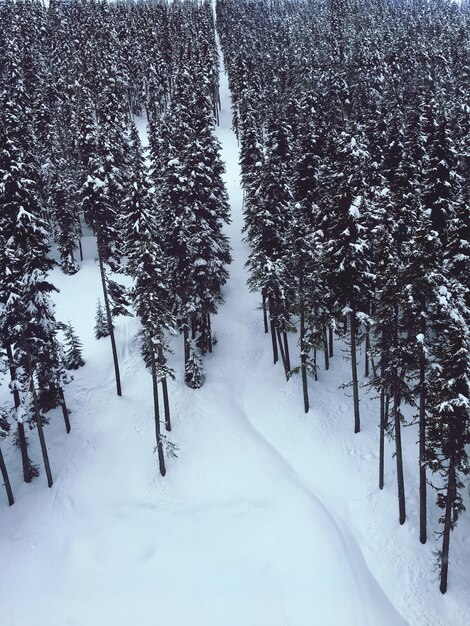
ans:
(193, 326)
(273, 340)
(24, 453)
(6, 480)
(283, 356)
(422, 441)
(303, 352)
(65, 411)
(399, 458)
(315, 370)
(397, 428)
(330, 342)
(80, 248)
(382, 439)
(366, 352)
(384, 401)
(204, 333)
(186, 343)
(39, 426)
(166, 404)
(110, 321)
(21, 432)
(209, 333)
(286, 350)
(265, 314)
(450, 497)
(156, 412)
(16, 393)
(357, 418)
(326, 349)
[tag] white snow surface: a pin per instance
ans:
(268, 517)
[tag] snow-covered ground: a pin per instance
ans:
(269, 517)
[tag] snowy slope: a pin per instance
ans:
(269, 517)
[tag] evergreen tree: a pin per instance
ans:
(194, 370)
(151, 294)
(448, 432)
(101, 323)
(73, 358)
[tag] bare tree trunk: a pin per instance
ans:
(209, 333)
(24, 453)
(357, 418)
(447, 528)
(156, 412)
(65, 412)
(422, 441)
(283, 356)
(265, 314)
(110, 320)
(80, 248)
(21, 432)
(382, 439)
(6, 480)
(399, 458)
(330, 342)
(186, 343)
(315, 369)
(286, 350)
(203, 338)
(326, 349)
(273, 337)
(166, 404)
(42, 439)
(384, 402)
(303, 352)
(366, 352)
(193, 327)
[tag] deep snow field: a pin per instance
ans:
(268, 517)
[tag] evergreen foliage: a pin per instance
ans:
(101, 323)
(73, 358)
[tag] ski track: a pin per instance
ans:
(252, 526)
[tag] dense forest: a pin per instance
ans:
(353, 121)
(74, 76)
(354, 129)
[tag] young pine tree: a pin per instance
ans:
(73, 358)
(101, 323)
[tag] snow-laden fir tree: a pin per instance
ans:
(194, 369)
(73, 349)
(101, 323)
(151, 293)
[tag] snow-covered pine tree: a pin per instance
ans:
(101, 323)
(100, 194)
(73, 349)
(67, 230)
(267, 220)
(151, 293)
(346, 258)
(194, 370)
(449, 404)
(27, 317)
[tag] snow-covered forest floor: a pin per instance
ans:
(268, 517)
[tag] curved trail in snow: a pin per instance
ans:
(269, 517)
(339, 561)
